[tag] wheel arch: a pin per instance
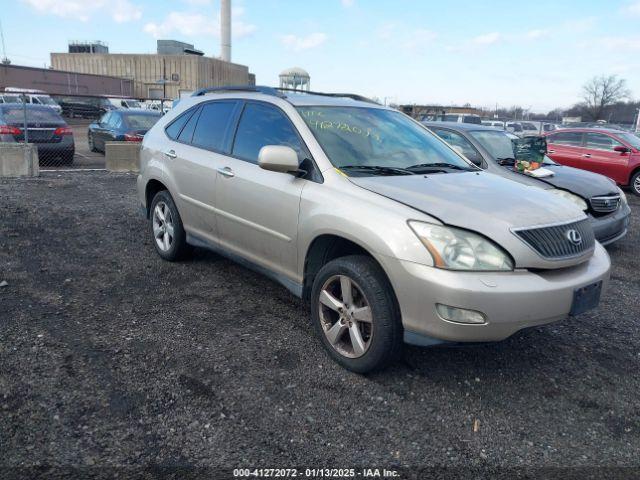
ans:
(326, 247)
(152, 187)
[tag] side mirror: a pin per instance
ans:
(277, 158)
(621, 149)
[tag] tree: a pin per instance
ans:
(600, 92)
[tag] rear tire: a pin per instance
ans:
(360, 340)
(165, 226)
(635, 183)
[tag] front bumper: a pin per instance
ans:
(510, 301)
(612, 227)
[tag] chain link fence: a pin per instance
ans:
(61, 131)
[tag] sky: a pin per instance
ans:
(535, 54)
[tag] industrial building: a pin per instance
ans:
(154, 75)
(176, 70)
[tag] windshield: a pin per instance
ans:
(46, 100)
(630, 138)
(501, 145)
(378, 140)
(141, 122)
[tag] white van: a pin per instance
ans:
(35, 97)
(124, 102)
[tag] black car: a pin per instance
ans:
(45, 129)
(496, 150)
(85, 107)
(128, 125)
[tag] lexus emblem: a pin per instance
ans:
(574, 236)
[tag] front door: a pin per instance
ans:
(600, 157)
(258, 209)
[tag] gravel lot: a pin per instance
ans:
(110, 357)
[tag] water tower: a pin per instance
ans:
(295, 78)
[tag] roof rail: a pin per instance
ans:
(239, 88)
(353, 96)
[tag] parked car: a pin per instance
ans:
(613, 153)
(45, 129)
(495, 152)
(388, 232)
(85, 107)
(121, 126)
(458, 117)
(493, 123)
(35, 97)
(515, 128)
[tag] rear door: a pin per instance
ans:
(194, 157)
(599, 157)
(565, 148)
(258, 209)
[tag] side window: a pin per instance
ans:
(35, 101)
(600, 141)
(572, 139)
(460, 144)
(212, 125)
(174, 128)
(262, 125)
(116, 121)
(186, 135)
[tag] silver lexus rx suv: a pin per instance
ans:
(387, 232)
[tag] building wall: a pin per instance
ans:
(62, 82)
(184, 73)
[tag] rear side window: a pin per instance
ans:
(212, 125)
(186, 135)
(262, 125)
(173, 130)
(572, 139)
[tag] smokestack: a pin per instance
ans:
(225, 30)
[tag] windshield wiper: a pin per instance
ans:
(435, 167)
(506, 161)
(379, 169)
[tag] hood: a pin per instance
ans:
(581, 182)
(482, 202)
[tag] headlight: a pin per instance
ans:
(623, 196)
(575, 199)
(456, 249)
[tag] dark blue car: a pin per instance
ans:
(128, 125)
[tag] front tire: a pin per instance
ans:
(355, 314)
(167, 232)
(635, 183)
(92, 143)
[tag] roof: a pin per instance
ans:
(590, 130)
(139, 111)
(308, 99)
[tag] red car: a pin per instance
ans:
(613, 153)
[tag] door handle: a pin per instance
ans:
(586, 155)
(551, 151)
(226, 171)
(170, 154)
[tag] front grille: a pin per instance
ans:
(553, 242)
(605, 204)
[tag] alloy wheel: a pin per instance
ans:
(345, 316)
(163, 228)
(636, 184)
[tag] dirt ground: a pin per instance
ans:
(111, 358)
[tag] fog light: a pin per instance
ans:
(460, 315)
